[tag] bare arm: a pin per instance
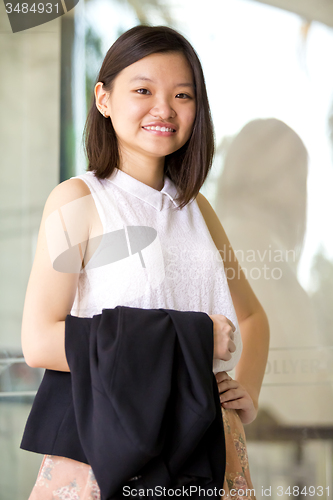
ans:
(50, 293)
(252, 319)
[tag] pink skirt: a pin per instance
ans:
(65, 479)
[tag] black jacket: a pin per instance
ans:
(141, 400)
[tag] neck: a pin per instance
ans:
(148, 170)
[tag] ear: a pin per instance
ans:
(101, 97)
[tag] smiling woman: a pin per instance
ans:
(117, 235)
(131, 61)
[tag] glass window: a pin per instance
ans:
(270, 83)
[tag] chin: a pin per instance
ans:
(161, 153)
(161, 150)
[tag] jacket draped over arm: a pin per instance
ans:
(141, 400)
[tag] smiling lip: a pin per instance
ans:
(160, 128)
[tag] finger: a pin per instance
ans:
(231, 324)
(231, 346)
(226, 385)
(223, 378)
(234, 395)
(226, 356)
(236, 404)
(231, 394)
(229, 384)
(220, 376)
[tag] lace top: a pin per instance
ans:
(152, 255)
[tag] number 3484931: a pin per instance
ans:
(35, 8)
(296, 491)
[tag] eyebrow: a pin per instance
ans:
(145, 79)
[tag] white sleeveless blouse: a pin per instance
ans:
(152, 255)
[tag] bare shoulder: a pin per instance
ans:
(205, 208)
(73, 200)
(64, 228)
(213, 223)
(66, 192)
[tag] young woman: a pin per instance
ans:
(149, 142)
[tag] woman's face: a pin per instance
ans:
(152, 105)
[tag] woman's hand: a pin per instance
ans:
(223, 337)
(234, 396)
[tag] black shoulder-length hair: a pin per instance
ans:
(187, 167)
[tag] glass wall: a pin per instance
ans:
(270, 83)
(29, 144)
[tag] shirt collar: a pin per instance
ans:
(144, 192)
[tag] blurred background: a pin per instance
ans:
(269, 74)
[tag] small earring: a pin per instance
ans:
(103, 113)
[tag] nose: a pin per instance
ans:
(162, 108)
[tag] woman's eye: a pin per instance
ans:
(143, 91)
(183, 96)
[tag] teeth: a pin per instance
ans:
(162, 129)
